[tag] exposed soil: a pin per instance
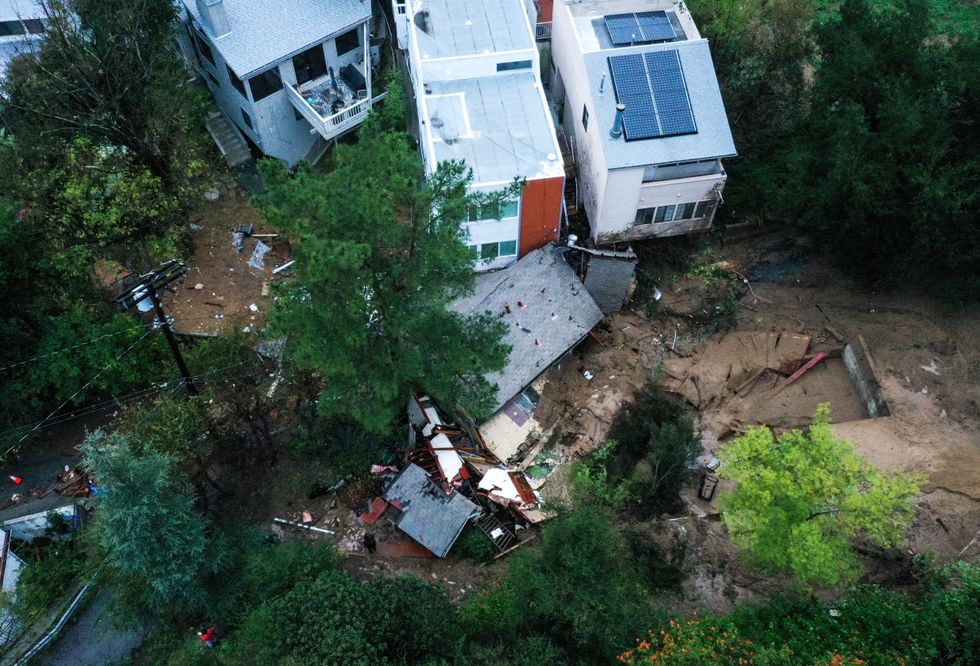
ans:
(230, 287)
(926, 362)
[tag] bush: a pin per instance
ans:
(476, 545)
(652, 444)
(44, 581)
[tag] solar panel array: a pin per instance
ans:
(639, 28)
(652, 87)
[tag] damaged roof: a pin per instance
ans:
(549, 312)
(427, 514)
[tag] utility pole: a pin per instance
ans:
(148, 288)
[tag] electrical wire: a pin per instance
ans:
(73, 395)
(76, 346)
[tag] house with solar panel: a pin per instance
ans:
(288, 78)
(479, 99)
(641, 99)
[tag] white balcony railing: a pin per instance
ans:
(333, 125)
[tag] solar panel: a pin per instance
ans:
(653, 89)
(623, 29)
(670, 93)
(633, 89)
(655, 26)
(639, 28)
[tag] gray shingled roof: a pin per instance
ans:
(263, 32)
(550, 311)
(428, 514)
(714, 137)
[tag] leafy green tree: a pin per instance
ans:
(761, 50)
(577, 592)
(335, 620)
(111, 72)
(378, 260)
(153, 539)
(651, 445)
(802, 497)
(883, 172)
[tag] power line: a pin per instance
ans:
(68, 349)
(73, 395)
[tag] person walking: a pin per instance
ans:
(207, 637)
(369, 542)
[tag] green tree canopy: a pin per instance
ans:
(802, 497)
(884, 171)
(154, 540)
(379, 257)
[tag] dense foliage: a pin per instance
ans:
(801, 498)
(869, 625)
(651, 446)
(379, 258)
(152, 536)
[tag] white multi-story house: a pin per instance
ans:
(641, 99)
(21, 28)
(290, 76)
(479, 99)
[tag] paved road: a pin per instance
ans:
(94, 638)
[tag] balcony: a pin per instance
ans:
(331, 104)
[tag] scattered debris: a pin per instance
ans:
(293, 523)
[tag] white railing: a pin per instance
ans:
(542, 30)
(333, 125)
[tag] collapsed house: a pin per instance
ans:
(548, 311)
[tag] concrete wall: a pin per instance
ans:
(857, 360)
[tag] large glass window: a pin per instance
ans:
(516, 64)
(664, 214)
(508, 248)
(204, 48)
(237, 82)
(310, 64)
(248, 119)
(264, 84)
(685, 211)
(348, 41)
(490, 250)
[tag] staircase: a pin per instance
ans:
(228, 139)
(501, 536)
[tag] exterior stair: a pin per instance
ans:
(501, 536)
(228, 139)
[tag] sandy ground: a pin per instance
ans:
(230, 287)
(927, 361)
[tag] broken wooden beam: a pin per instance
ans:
(806, 366)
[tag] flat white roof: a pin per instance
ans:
(499, 125)
(468, 27)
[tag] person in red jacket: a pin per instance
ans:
(207, 637)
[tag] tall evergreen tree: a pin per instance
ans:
(380, 256)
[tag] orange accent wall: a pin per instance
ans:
(540, 212)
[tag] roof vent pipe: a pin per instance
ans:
(602, 84)
(213, 17)
(617, 128)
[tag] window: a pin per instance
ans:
(203, 48)
(508, 248)
(508, 209)
(649, 173)
(585, 118)
(310, 64)
(34, 26)
(248, 119)
(348, 41)
(237, 82)
(490, 250)
(705, 208)
(9, 28)
(213, 80)
(686, 211)
(265, 84)
(516, 64)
